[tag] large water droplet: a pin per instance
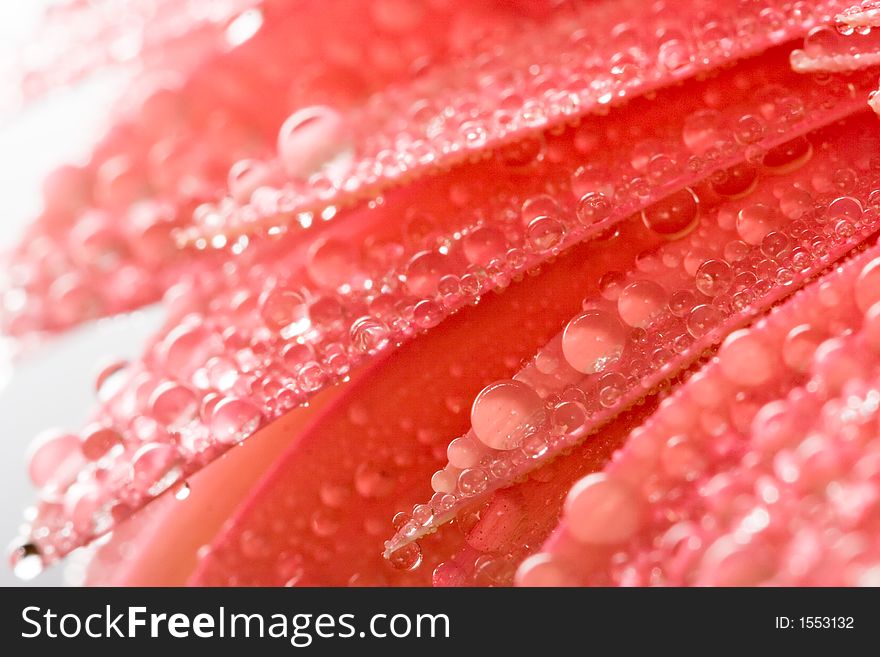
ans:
(754, 221)
(333, 263)
(702, 131)
(601, 510)
(285, 311)
(409, 557)
(233, 420)
(640, 302)
(501, 413)
(110, 379)
(312, 139)
(735, 182)
(788, 156)
(674, 216)
(714, 277)
(424, 271)
(592, 341)
(154, 468)
(483, 245)
(54, 458)
(174, 405)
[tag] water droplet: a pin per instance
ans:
(154, 468)
(182, 491)
(592, 341)
(754, 221)
(333, 264)
(373, 480)
(233, 420)
(868, 285)
(714, 277)
(26, 561)
(472, 481)
(640, 302)
(749, 129)
(53, 458)
(424, 271)
(799, 346)
(703, 319)
(745, 359)
(484, 245)
(502, 412)
(735, 182)
(674, 216)
(285, 311)
(569, 417)
(593, 208)
(407, 558)
(98, 440)
(111, 379)
(601, 510)
(821, 41)
(369, 335)
(545, 233)
(702, 131)
(611, 284)
(674, 54)
(464, 452)
(681, 302)
(174, 405)
(789, 156)
(187, 347)
(312, 139)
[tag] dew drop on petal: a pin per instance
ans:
(745, 359)
(464, 452)
(788, 156)
(799, 346)
(187, 347)
(754, 221)
(592, 208)
(714, 277)
(182, 491)
(110, 379)
(545, 233)
(593, 340)
(312, 139)
(98, 440)
(703, 319)
(374, 480)
(369, 335)
(407, 558)
(53, 456)
(674, 216)
(569, 416)
(701, 130)
(233, 420)
(483, 245)
(501, 413)
(174, 405)
(332, 263)
(601, 510)
(735, 182)
(472, 481)
(424, 271)
(640, 302)
(155, 468)
(285, 311)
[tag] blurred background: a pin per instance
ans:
(51, 383)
